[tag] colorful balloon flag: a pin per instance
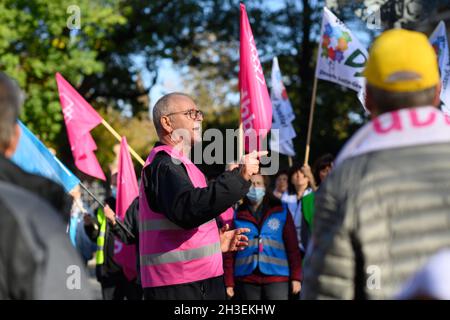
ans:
(80, 119)
(256, 107)
(341, 57)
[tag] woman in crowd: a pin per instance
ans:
(270, 267)
(300, 201)
(281, 183)
(322, 167)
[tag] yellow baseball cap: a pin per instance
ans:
(402, 60)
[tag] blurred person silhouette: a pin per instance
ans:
(322, 167)
(37, 260)
(281, 183)
(432, 282)
(383, 211)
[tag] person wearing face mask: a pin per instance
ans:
(270, 267)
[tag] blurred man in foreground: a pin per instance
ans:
(37, 260)
(384, 210)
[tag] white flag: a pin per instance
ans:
(438, 40)
(341, 56)
(285, 147)
(282, 113)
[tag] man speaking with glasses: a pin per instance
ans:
(180, 254)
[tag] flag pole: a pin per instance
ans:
(290, 161)
(92, 195)
(311, 116)
(240, 141)
(119, 223)
(119, 138)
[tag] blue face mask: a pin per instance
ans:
(256, 194)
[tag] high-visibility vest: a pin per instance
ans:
(169, 254)
(100, 254)
(265, 249)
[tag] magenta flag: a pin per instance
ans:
(127, 191)
(80, 119)
(227, 217)
(256, 107)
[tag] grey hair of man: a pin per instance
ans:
(163, 107)
(387, 101)
(11, 99)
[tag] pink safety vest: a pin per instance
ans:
(169, 254)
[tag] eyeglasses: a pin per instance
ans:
(194, 114)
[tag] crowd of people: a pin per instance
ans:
(365, 225)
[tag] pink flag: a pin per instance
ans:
(127, 191)
(80, 119)
(256, 107)
(227, 217)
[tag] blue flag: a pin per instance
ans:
(34, 157)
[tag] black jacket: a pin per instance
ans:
(45, 188)
(169, 190)
(131, 222)
(37, 260)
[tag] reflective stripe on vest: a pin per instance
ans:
(179, 256)
(262, 258)
(172, 255)
(100, 254)
(266, 249)
(267, 242)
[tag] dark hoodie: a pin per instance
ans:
(45, 188)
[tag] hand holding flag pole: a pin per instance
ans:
(119, 223)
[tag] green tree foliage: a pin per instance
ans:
(35, 42)
(202, 36)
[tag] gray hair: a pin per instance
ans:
(11, 99)
(163, 107)
(387, 101)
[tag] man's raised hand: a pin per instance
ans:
(249, 164)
